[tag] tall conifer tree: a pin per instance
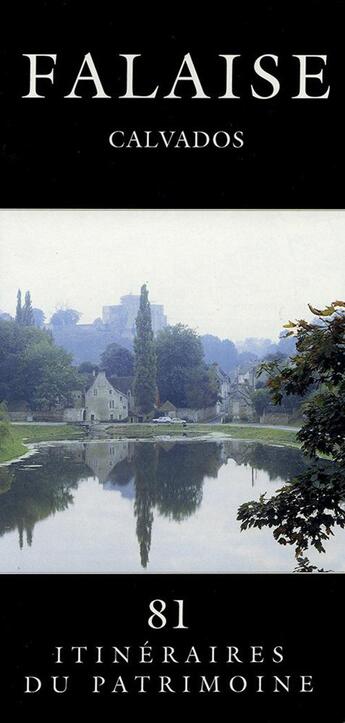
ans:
(27, 312)
(145, 365)
(19, 311)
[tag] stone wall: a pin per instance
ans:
(197, 415)
(55, 415)
(72, 414)
(21, 416)
(268, 418)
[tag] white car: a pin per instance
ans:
(162, 420)
(175, 420)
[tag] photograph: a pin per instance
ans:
(172, 391)
(172, 360)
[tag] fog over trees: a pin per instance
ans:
(40, 364)
(91, 342)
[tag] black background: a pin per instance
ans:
(55, 153)
(304, 613)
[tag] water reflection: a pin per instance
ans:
(34, 490)
(167, 476)
(159, 480)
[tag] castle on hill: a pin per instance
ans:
(121, 317)
(86, 342)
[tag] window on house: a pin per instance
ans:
(95, 392)
(110, 391)
(120, 399)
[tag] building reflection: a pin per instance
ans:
(162, 478)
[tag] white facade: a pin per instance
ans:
(104, 403)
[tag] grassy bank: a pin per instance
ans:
(269, 436)
(13, 446)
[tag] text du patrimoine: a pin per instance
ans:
(187, 671)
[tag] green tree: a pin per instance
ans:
(145, 363)
(19, 307)
(39, 318)
(118, 361)
(182, 376)
(304, 511)
(261, 400)
(222, 351)
(5, 428)
(65, 317)
(319, 364)
(27, 311)
(49, 376)
(290, 403)
(202, 388)
(32, 368)
(87, 367)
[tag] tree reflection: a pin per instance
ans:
(181, 471)
(169, 477)
(303, 512)
(36, 489)
(278, 462)
(145, 465)
(6, 479)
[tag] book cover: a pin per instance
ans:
(171, 362)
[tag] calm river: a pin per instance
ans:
(136, 506)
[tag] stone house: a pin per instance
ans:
(240, 405)
(224, 387)
(105, 403)
(125, 385)
(248, 377)
(167, 410)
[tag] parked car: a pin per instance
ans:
(175, 420)
(162, 420)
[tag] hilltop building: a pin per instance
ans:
(121, 317)
(87, 342)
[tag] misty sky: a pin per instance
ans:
(230, 273)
